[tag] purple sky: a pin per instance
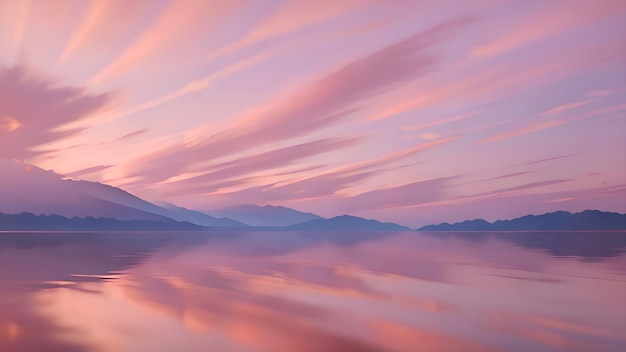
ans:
(403, 110)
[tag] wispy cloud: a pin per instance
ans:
(602, 93)
(268, 161)
(33, 109)
(543, 124)
(9, 123)
(323, 105)
(90, 170)
(535, 127)
(546, 159)
(410, 194)
(444, 121)
(324, 102)
(502, 79)
(551, 21)
(132, 134)
(190, 87)
(170, 25)
(329, 182)
(505, 192)
(288, 18)
(560, 200)
(500, 177)
(20, 19)
(566, 107)
(93, 18)
(529, 186)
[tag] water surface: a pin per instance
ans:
(305, 292)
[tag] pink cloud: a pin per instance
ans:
(444, 121)
(188, 88)
(132, 134)
(566, 107)
(33, 109)
(507, 191)
(602, 93)
(560, 200)
(528, 186)
(20, 11)
(264, 162)
(413, 193)
(552, 20)
(429, 136)
(395, 156)
(315, 187)
(318, 105)
(546, 159)
(90, 170)
(509, 175)
(535, 127)
(88, 24)
(191, 70)
(515, 174)
(543, 124)
(329, 183)
(291, 17)
(501, 80)
(173, 25)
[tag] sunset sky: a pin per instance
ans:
(401, 110)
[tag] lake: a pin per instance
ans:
(308, 291)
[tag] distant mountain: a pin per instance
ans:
(33, 190)
(556, 221)
(268, 215)
(346, 223)
(199, 218)
(26, 188)
(32, 222)
(45, 192)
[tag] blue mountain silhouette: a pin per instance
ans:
(587, 220)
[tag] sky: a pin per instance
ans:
(401, 110)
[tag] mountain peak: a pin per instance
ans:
(555, 221)
(34, 190)
(266, 215)
(348, 222)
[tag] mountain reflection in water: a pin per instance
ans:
(330, 292)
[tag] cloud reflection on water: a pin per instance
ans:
(310, 292)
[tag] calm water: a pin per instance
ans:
(304, 292)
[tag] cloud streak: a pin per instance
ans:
(444, 121)
(332, 182)
(543, 125)
(90, 170)
(169, 27)
(320, 104)
(289, 17)
(411, 194)
(33, 109)
(264, 162)
(546, 159)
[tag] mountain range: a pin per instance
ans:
(47, 193)
(268, 215)
(346, 222)
(555, 221)
(44, 200)
(32, 222)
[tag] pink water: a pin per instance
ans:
(330, 292)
